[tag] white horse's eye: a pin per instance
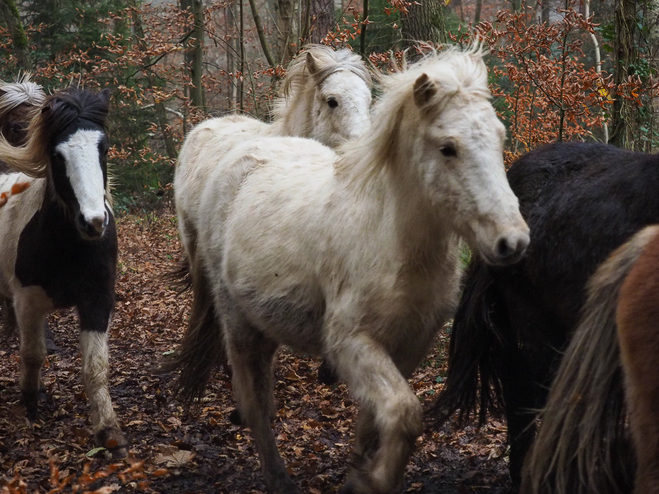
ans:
(448, 150)
(332, 102)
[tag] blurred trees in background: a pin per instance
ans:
(560, 69)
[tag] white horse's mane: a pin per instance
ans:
(298, 78)
(454, 70)
(22, 90)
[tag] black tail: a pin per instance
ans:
(472, 380)
(582, 444)
(8, 316)
(202, 348)
(180, 276)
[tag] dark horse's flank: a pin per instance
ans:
(582, 446)
(581, 201)
(58, 245)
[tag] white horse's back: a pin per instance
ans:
(201, 154)
(325, 95)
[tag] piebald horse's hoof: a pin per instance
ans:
(113, 440)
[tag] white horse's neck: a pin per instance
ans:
(295, 115)
(423, 235)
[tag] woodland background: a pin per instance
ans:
(560, 69)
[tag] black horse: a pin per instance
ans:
(581, 202)
(58, 244)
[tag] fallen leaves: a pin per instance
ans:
(179, 448)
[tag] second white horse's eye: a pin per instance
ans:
(449, 151)
(332, 102)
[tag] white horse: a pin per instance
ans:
(325, 96)
(355, 256)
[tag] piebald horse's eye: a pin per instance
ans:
(449, 151)
(332, 102)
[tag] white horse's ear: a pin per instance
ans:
(312, 64)
(424, 90)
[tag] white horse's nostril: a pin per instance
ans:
(510, 248)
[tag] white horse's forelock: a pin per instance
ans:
(21, 91)
(455, 70)
(298, 78)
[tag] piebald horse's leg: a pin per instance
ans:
(94, 348)
(31, 309)
(251, 354)
(391, 416)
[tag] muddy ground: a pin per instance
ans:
(180, 449)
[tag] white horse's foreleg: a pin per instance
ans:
(94, 348)
(391, 416)
(251, 355)
(31, 323)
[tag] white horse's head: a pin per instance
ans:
(437, 118)
(326, 96)
(461, 145)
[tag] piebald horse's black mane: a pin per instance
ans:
(60, 110)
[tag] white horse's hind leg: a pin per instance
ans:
(251, 354)
(31, 323)
(94, 348)
(390, 420)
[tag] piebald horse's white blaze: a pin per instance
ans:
(59, 245)
(355, 257)
(83, 169)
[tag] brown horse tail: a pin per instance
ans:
(582, 445)
(472, 382)
(202, 347)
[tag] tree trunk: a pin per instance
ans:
(195, 56)
(161, 113)
(362, 37)
(424, 22)
(624, 122)
(14, 23)
(477, 15)
(544, 12)
(261, 33)
(285, 22)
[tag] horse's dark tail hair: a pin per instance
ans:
(201, 349)
(180, 276)
(582, 444)
(8, 317)
(472, 382)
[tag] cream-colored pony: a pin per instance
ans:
(354, 255)
(325, 96)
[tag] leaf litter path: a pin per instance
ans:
(178, 449)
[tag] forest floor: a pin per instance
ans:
(179, 449)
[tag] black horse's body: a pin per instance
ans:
(581, 201)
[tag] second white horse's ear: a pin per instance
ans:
(312, 64)
(424, 90)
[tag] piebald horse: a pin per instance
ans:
(610, 369)
(354, 256)
(59, 244)
(325, 96)
(20, 102)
